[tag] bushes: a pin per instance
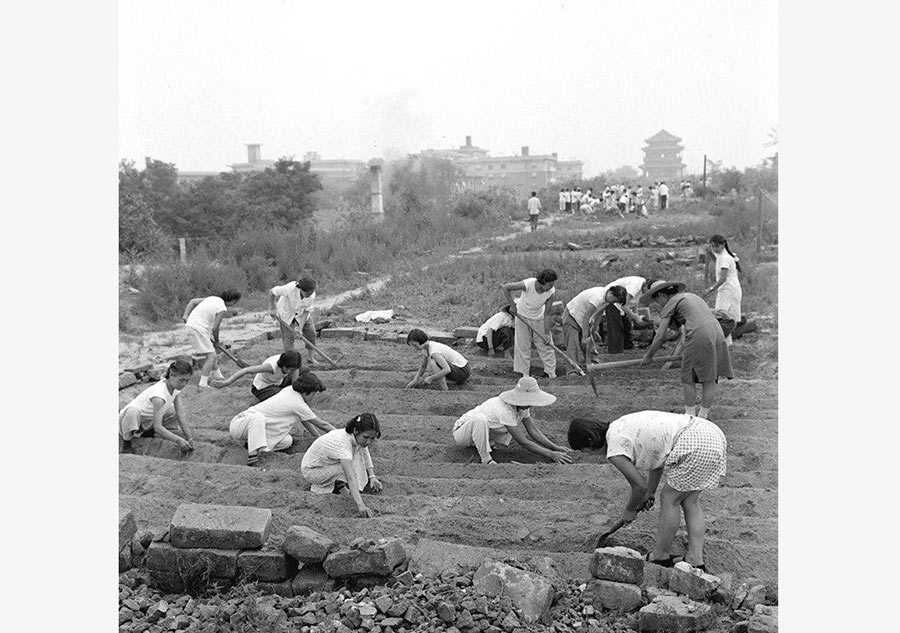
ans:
(166, 288)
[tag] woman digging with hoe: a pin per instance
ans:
(689, 451)
(705, 356)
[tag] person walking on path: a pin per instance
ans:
(496, 334)
(269, 377)
(156, 407)
(687, 452)
(339, 462)
(705, 355)
(496, 421)
(294, 306)
(727, 286)
(533, 307)
(663, 196)
(203, 317)
(442, 361)
(267, 426)
(534, 210)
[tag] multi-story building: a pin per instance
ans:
(520, 174)
(662, 158)
(330, 171)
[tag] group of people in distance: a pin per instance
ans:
(616, 200)
(686, 453)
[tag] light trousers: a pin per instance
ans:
(251, 426)
(523, 341)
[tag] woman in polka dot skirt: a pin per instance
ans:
(688, 450)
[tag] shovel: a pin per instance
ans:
(548, 340)
(601, 542)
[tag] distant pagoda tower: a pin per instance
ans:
(662, 158)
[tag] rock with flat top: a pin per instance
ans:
(222, 527)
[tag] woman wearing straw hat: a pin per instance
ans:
(705, 355)
(496, 421)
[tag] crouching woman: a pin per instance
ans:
(339, 461)
(496, 421)
(688, 450)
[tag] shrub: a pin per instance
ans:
(166, 288)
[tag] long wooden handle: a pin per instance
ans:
(307, 341)
(237, 361)
(627, 363)
(602, 540)
(549, 341)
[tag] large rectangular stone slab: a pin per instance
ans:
(619, 564)
(613, 596)
(265, 565)
(192, 562)
(378, 559)
(221, 527)
(352, 333)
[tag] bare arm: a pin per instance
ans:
(353, 485)
(160, 430)
(417, 378)
(508, 289)
(588, 326)
(538, 436)
(182, 421)
(316, 427)
(525, 441)
(216, 324)
(723, 275)
(658, 339)
(639, 488)
(190, 307)
(240, 373)
(443, 368)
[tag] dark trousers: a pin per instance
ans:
(503, 340)
(268, 392)
(618, 331)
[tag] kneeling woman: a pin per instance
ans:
(267, 426)
(496, 421)
(274, 374)
(690, 451)
(443, 361)
(339, 461)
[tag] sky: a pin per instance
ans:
(589, 80)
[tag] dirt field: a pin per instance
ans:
(435, 490)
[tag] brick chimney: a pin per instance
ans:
(524, 150)
(253, 153)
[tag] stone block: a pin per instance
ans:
(447, 338)
(162, 557)
(530, 593)
(692, 582)
(138, 369)
(763, 620)
(465, 332)
(675, 614)
(206, 562)
(126, 379)
(378, 559)
(613, 596)
(127, 526)
(310, 578)
(306, 545)
(265, 565)
(619, 564)
(222, 527)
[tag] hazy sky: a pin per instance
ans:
(586, 79)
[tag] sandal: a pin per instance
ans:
(662, 562)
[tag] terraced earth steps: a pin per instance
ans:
(432, 488)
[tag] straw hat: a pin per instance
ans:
(527, 394)
(656, 287)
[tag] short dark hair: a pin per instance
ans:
(307, 382)
(619, 293)
(290, 360)
(546, 276)
(180, 367)
(585, 433)
(534, 193)
(417, 336)
(363, 422)
(230, 295)
(306, 284)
